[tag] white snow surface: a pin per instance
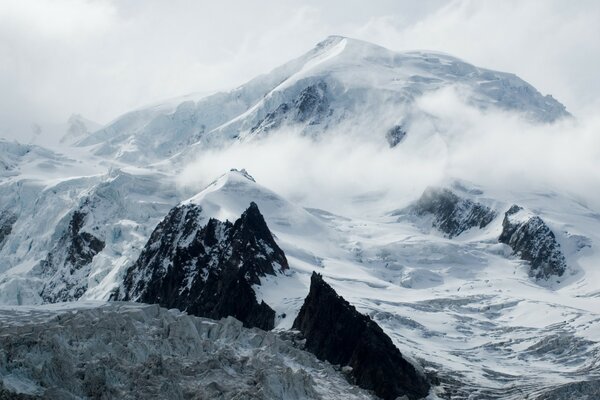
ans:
(465, 308)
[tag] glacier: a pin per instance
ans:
(451, 296)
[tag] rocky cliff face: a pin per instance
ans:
(66, 267)
(7, 220)
(336, 332)
(311, 106)
(533, 241)
(452, 214)
(207, 268)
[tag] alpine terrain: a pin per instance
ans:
(121, 279)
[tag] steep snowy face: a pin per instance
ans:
(450, 213)
(22, 159)
(341, 82)
(70, 237)
(67, 266)
(7, 220)
(207, 268)
(228, 196)
(533, 241)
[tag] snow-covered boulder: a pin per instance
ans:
(450, 213)
(533, 241)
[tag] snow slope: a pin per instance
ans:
(342, 82)
(462, 304)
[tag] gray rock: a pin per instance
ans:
(207, 268)
(533, 241)
(452, 214)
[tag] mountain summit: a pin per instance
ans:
(340, 83)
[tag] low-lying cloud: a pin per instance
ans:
(355, 171)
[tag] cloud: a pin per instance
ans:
(353, 171)
(102, 58)
(548, 43)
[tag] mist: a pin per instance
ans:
(353, 171)
(104, 58)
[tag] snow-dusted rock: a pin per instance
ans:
(7, 220)
(67, 266)
(533, 241)
(451, 213)
(207, 268)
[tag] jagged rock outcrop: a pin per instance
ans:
(7, 220)
(310, 106)
(66, 267)
(533, 241)
(207, 268)
(395, 135)
(452, 214)
(335, 331)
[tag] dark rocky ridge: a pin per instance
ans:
(336, 332)
(310, 106)
(7, 220)
(533, 241)
(207, 270)
(452, 214)
(67, 264)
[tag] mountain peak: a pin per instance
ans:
(242, 172)
(340, 81)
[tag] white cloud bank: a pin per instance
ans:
(353, 172)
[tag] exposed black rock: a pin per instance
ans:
(207, 269)
(336, 332)
(67, 264)
(311, 105)
(452, 214)
(533, 241)
(7, 220)
(395, 135)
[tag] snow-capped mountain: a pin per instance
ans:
(484, 293)
(207, 268)
(341, 83)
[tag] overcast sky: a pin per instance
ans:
(104, 58)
